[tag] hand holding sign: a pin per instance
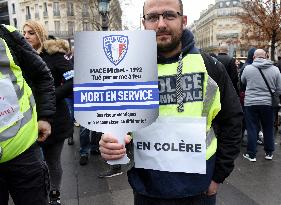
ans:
(110, 148)
(115, 88)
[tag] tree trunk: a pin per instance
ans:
(272, 46)
(274, 33)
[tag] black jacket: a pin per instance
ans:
(227, 126)
(231, 68)
(35, 72)
(228, 123)
(54, 55)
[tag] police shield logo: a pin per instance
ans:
(115, 47)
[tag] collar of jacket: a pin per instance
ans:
(56, 46)
(188, 47)
(222, 54)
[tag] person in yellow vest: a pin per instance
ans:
(194, 90)
(24, 119)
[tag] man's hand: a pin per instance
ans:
(44, 129)
(213, 188)
(110, 149)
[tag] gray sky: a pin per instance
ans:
(132, 11)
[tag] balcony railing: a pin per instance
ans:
(85, 14)
(56, 13)
(62, 34)
(45, 14)
(70, 13)
(227, 35)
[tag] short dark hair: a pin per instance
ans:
(180, 3)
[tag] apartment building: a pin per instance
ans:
(219, 24)
(63, 17)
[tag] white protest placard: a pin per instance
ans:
(174, 144)
(115, 81)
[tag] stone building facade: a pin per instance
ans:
(219, 24)
(63, 17)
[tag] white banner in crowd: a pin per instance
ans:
(174, 144)
(115, 81)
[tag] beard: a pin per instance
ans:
(166, 45)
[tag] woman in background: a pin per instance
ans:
(52, 52)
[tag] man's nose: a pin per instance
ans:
(161, 22)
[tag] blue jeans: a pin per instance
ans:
(85, 142)
(69, 102)
(254, 115)
(201, 199)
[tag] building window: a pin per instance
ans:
(13, 8)
(56, 9)
(227, 3)
(86, 26)
(28, 14)
(242, 53)
(45, 11)
(221, 4)
(47, 25)
(36, 11)
(15, 22)
(70, 10)
(71, 28)
(57, 26)
(85, 12)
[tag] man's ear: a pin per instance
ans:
(143, 23)
(184, 21)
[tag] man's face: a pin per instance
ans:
(169, 29)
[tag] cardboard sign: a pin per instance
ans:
(116, 81)
(174, 144)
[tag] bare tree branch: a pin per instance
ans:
(262, 24)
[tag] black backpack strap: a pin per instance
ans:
(264, 78)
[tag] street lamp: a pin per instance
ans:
(104, 10)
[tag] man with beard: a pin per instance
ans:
(184, 71)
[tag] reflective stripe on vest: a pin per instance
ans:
(6, 70)
(208, 107)
(207, 104)
(13, 130)
(10, 131)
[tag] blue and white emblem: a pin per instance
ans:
(115, 47)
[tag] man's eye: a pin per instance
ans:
(152, 17)
(170, 16)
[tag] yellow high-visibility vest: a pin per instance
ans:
(201, 94)
(17, 137)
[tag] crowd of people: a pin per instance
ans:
(36, 80)
(259, 80)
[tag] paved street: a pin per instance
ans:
(256, 183)
(250, 184)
